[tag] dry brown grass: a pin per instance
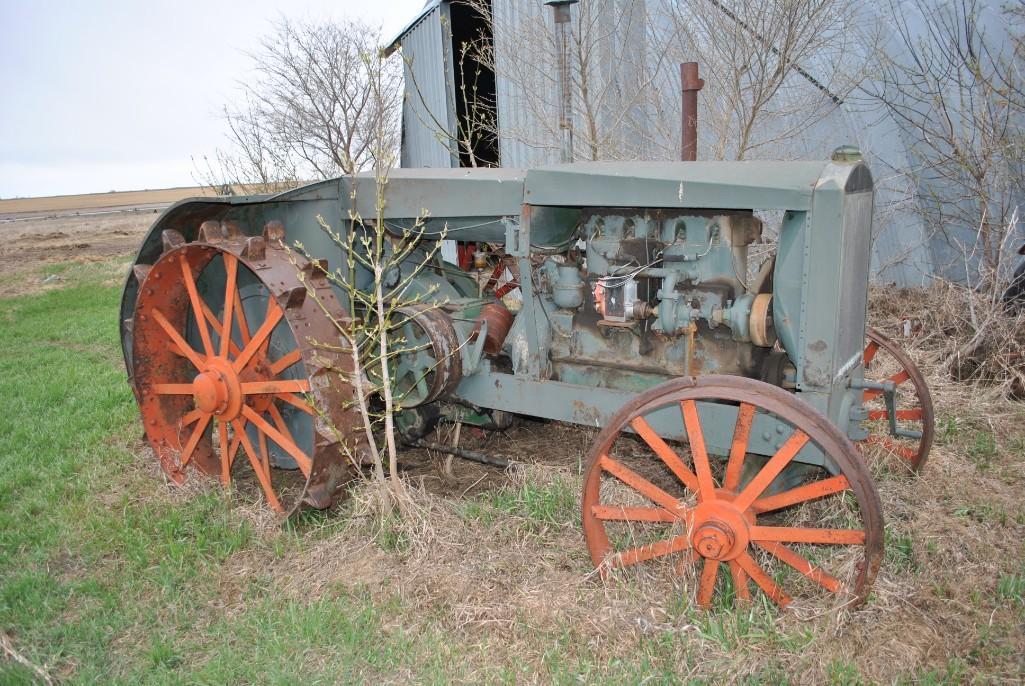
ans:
(516, 587)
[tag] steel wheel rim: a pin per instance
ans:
(721, 529)
(918, 414)
(208, 400)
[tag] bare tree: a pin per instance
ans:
(959, 93)
(311, 111)
(772, 68)
(609, 69)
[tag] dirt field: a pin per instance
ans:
(25, 246)
(494, 563)
(15, 208)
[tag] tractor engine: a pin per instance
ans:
(655, 295)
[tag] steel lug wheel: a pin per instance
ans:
(651, 500)
(237, 367)
(884, 360)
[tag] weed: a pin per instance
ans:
(1011, 587)
(538, 505)
(899, 551)
(982, 449)
(843, 673)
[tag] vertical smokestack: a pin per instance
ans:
(561, 10)
(691, 84)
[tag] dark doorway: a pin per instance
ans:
(470, 28)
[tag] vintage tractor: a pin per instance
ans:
(729, 399)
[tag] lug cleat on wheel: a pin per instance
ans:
(228, 359)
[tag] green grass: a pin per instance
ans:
(534, 507)
(105, 578)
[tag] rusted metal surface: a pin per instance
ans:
(718, 525)
(498, 319)
(233, 384)
(690, 84)
(885, 360)
(433, 359)
(471, 455)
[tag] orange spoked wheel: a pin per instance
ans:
(237, 367)
(884, 360)
(795, 530)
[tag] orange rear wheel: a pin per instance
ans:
(231, 369)
(885, 360)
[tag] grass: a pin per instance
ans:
(106, 578)
(108, 575)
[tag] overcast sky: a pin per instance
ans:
(121, 95)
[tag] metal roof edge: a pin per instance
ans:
(393, 44)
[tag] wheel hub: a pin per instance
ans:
(217, 390)
(721, 531)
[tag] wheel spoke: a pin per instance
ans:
(909, 454)
(800, 494)
(284, 386)
(739, 582)
(279, 422)
(304, 462)
(741, 434)
(813, 572)
(236, 443)
(222, 428)
(665, 453)
(261, 475)
(794, 534)
(192, 416)
(898, 378)
(763, 580)
(197, 433)
(229, 300)
(197, 306)
(707, 586)
(286, 361)
(650, 551)
(264, 453)
(902, 415)
(870, 352)
(703, 470)
(240, 316)
(296, 401)
(216, 323)
(771, 469)
(172, 388)
(623, 513)
(638, 483)
(421, 385)
(184, 348)
(274, 314)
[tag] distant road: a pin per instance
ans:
(21, 209)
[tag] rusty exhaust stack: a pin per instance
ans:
(561, 10)
(691, 84)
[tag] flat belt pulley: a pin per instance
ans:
(232, 352)
(428, 364)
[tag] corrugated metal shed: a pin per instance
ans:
(429, 112)
(905, 251)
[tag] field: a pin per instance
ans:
(110, 575)
(95, 202)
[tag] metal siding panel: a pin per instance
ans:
(904, 251)
(426, 111)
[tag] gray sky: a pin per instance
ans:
(121, 94)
